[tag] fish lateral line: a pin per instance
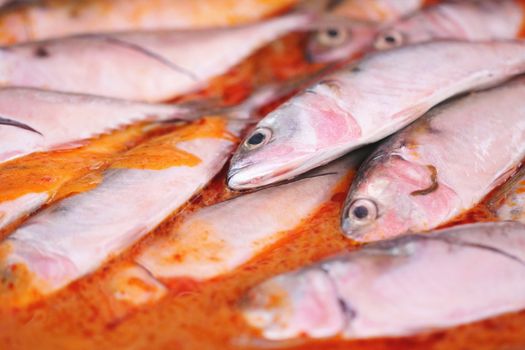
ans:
(461, 243)
(144, 51)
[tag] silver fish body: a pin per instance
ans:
(398, 288)
(34, 120)
(363, 103)
(74, 237)
(217, 239)
(116, 64)
(440, 166)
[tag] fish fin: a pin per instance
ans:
(503, 191)
(144, 51)
(11, 122)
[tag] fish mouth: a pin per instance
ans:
(258, 175)
(250, 177)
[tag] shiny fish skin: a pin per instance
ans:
(363, 103)
(116, 64)
(462, 20)
(440, 166)
(44, 19)
(74, 237)
(64, 120)
(217, 239)
(359, 22)
(398, 288)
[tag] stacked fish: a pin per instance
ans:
(422, 99)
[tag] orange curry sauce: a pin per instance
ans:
(202, 316)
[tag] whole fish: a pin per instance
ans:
(440, 166)
(400, 287)
(217, 239)
(462, 20)
(33, 120)
(116, 64)
(361, 104)
(30, 20)
(140, 189)
(358, 24)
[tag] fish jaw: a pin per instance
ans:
(295, 305)
(309, 131)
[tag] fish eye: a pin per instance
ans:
(258, 137)
(332, 36)
(389, 40)
(362, 211)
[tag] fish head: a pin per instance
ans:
(306, 132)
(392, 197)
(340, 41)
(412, 31)
(293, 305)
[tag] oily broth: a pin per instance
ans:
(85, 315)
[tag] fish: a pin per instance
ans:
(462, 20)
(136, 192)
(35, 120)
(365, 102)
(115, 64)
(355, 25)
(217, 239)
(141, 188)
(508, 201)
(439, 167)
(401, 287)
(76, 154)
(33, 20)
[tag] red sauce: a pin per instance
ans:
(521, 32)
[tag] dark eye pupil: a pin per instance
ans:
(256, 139)
(332, 33)
(361, 212)
(390, 39)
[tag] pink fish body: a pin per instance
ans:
(363, 103)
(397, 288)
